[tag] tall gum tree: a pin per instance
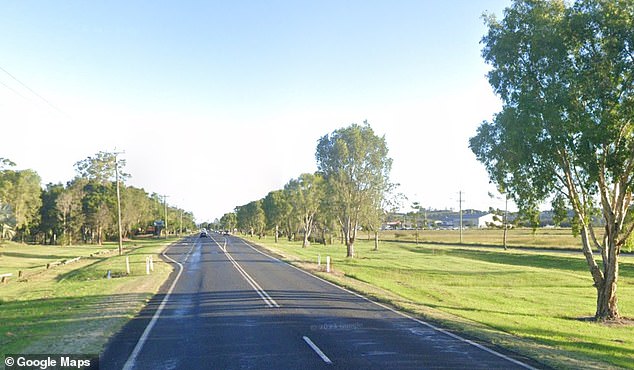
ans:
(355, 165)
(305, 194)
(565, 74)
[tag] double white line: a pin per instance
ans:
(254, 284)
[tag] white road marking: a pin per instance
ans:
(317, 350)
(443, 331)
(190, 250)
(254, 284)
(129, 364)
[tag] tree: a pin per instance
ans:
(250, 218)
(565, 75)
(7, 222)
(355, 164)
(69, 206)
(376, 214)
(229, 221)
(136, 209)
(49, 225)
(276, 210)
(101, 170)
(305, 194)
(100, 167)
(22, 191)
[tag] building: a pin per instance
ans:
(478, 220)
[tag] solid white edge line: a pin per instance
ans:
(129, 364)
(254, 284)
(317, 350)
(455, 336)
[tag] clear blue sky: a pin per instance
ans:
(217, 103)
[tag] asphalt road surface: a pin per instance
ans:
(230, 306)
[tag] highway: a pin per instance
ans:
(230, 305)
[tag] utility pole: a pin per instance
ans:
(165, 204)
(116, 172)
(506, 218)
(180, 231)
(460, 208)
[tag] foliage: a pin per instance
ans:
(7, 222)
(276, 210)
(21, 190)
(229, 221)
(304, 195)
(83, 210)
(250, 218)
(355, 164)
(565, 76)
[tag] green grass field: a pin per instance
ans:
(546, 238)
(73, 308)
(533, 302)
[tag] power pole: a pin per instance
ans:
(165, 204)
(460, 208)
(116, 172)
(506, 217)
(180, 231)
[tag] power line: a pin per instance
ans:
(31, 90)
(14, 90)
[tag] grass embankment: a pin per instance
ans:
(536, 303)
(73, 308)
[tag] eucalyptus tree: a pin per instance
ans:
(250, 218)
(229, 221)
(276, 210)
(102, 196)
(136, 209)
(355, 165)
(69, 208)
(565, 75)
(7, 221)
(305, 194)
(21, 189)
(49, 224)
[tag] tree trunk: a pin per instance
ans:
(607, 308)
(604, 281)
(607, 302)
(306, 243)
(277, 233)
(350, 248)
(376, 240)
(351, 235)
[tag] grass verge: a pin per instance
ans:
(535, 303)
(74, 308)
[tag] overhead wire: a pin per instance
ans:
(13, 90)
(31, 90)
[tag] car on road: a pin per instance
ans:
(203, 234)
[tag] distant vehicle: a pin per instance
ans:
(203, 234)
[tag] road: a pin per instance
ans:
(231, 306)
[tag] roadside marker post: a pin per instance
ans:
(147, 265)
(327, 263)
(127, 264)
(318, 260)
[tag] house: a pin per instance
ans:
(478, 220)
